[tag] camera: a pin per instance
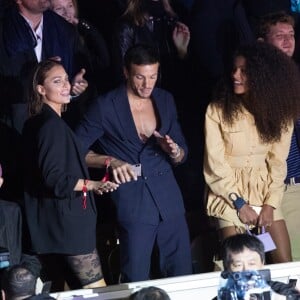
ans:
(244, 285)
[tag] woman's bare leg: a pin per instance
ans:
(280, 236)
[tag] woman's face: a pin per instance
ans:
(64, 8)
(239, 78)
(55, 90)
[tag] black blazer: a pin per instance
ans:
(53, 164)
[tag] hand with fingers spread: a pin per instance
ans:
(168, 145)
(122, 171)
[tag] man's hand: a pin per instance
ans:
(248, 215)
(181, 38)
(79, 84)
(122, 171)
(169, 146)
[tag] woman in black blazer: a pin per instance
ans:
(59, 203)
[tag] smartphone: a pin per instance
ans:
(137, 169)
(0, 171)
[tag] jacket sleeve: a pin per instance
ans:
(90, 127)
(217, 172)
(53, 155)
(277, 166)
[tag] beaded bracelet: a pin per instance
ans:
(84, 193)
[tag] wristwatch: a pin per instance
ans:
(238, 202)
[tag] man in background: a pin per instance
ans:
(278, 29)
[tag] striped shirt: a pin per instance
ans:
(293, 160)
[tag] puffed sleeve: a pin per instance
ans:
(276, 160)
(218, 174)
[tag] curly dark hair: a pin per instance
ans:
(273, 96)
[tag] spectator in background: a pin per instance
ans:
(218, 27)
(244, 252)
(278, 29)
(150, 293)
(18, 282)
(153, 23)
(248, 132)
(93, 40)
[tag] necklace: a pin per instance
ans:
(138, 105)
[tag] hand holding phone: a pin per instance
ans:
(137, 169)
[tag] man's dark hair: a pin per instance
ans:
(237, 244)
(18, 282)
(150, 293)
(272, 19)
(140, 55)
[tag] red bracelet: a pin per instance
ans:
(84, 193)
(107, 165)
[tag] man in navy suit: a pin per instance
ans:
(136, 126)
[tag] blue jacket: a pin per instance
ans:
(109, 123)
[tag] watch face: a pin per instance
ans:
(233, 196)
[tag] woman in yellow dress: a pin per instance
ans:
(248, 129)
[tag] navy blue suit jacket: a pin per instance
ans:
(156, 193)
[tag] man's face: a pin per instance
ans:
(33, 6)
(141, 79)
(282, 36)
(244, 261)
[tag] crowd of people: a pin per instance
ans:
(134, 104)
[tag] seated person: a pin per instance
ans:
(244, 252)
(18, 283)
(150, 293)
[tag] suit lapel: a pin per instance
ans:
(161, 109)
(123, 112)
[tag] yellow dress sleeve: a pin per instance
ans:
(218, 174)
(276, 161)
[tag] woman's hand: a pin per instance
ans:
(181, 38)
(248, 215)
(266, 216)
(100, 187)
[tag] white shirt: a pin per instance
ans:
(38, 33)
